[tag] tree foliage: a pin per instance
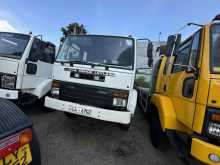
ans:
(73, 28)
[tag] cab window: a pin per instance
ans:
(42, 51)
(35, 51)
(215, 48)
(194, 53)
(183, 56)
(48, 53)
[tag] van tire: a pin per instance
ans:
(157, 135)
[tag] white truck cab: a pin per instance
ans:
(26, 64)
(93, 76)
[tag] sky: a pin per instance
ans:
(139, 18)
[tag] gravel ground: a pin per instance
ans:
(85, 141)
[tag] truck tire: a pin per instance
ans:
(157, 135)
(70, 115)
(125, 127)
(45, 109)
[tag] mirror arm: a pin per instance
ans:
(40, 35)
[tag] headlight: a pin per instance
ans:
(119, 102)
(8, 81)
(213, 123)
(120, 98)
(55, 91)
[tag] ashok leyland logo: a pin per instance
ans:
(95, 73)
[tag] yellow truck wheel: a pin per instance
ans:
(158, 137)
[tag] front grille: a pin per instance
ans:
(88, 95)
(7, 81)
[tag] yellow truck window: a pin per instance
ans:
(215, 48)
(195, 49)
(182, 57)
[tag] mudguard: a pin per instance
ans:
(167, 113)
(42, 89)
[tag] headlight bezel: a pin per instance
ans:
(6, 79)
(210, 122)
(55, 90)
(120, 96)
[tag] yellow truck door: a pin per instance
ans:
(182, 81)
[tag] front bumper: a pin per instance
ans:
(9, 94)
(97, 113)
(201, 151)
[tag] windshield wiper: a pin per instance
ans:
(106, 65)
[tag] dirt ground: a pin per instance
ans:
(85, 141)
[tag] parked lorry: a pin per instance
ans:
(25, 67)
(93, 76)
(185, 101)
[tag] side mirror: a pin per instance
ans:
(162, 50)
(150, 54)
(194, 70)
(31, 68)
(173, 43)
(190, 69)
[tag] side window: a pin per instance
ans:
(195, 49)
(35, 51)
(182, 57)
(48, 53)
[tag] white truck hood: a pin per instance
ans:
(114, 78)
(9, 66)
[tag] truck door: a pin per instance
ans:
(182, 81)
(38, 66)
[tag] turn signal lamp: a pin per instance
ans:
(215, 117)
(120, 94)
(25, 137)
(55, 84)
(10, 144)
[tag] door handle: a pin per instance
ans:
(164, 88)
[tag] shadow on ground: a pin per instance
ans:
(85, 141)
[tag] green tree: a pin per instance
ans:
(73, 28)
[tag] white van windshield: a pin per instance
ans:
(112, 51)
(12, 44)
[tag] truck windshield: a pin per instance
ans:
(110, 51)
(12, 45)
(215, 48)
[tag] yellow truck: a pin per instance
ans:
(184, 103)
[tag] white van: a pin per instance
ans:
(93, 76)
(26, 64)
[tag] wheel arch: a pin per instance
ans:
(165, 109)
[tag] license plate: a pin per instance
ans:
(20, 157)
(80, 110)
